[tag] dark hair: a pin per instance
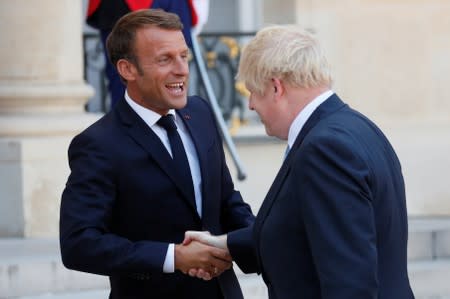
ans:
(120, 42)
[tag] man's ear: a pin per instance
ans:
(278, 88)
(126, 69)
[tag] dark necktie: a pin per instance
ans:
(178, 154)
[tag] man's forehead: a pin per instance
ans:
(161, 38)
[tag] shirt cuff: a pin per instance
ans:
(169, 262)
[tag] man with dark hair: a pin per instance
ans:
(103, 14)
(148, 171)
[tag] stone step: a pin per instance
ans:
(252, 287)
(91, 294)
(429, 238)
(428, 279)
(32, 267)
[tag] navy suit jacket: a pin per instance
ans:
(123, 205)
(333, 224)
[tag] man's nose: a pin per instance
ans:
(182, 67)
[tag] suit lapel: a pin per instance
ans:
(332, 104)
(150, 142)
(202, 139)
(200, 135)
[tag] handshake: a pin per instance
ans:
(202, 255)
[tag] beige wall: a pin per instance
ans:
(391, 58)
(391, 61)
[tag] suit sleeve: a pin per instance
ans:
(237, 219)
(338, 214)
(235, 213)
(241, 246)
(86, 218)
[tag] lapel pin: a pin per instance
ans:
(187, 116)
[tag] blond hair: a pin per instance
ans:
(287, 52)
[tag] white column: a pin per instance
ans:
(42, 97)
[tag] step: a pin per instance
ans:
(33, 267)
(429, 238)
(252, 288)
(92, 294)
(430, 279)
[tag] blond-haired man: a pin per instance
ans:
(333, 224)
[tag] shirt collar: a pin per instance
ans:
(150, 117)
(304, 115)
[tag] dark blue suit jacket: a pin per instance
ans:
(333, 224)
(123, 205)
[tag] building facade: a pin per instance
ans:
(390, 60)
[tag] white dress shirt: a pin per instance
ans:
(150, 118)
(304, 115)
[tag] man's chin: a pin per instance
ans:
(268, 132)
(180, 103)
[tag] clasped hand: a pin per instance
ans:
(202, 255)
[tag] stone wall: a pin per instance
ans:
(42, 97)
(391, 61)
